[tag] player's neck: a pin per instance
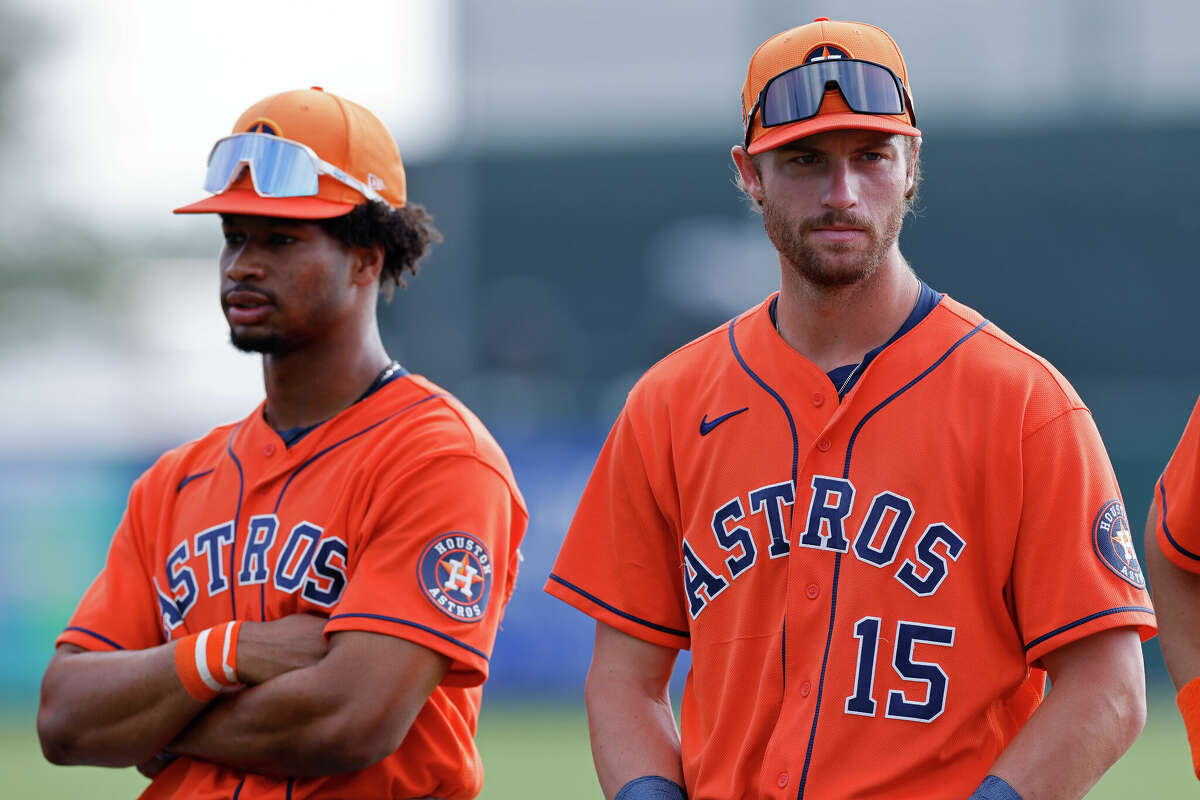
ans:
(311, 385)
(833, 327)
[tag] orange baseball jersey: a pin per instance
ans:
(399, 516)
(1176, 509)
(867, 584)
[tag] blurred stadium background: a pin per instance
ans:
(575, 155)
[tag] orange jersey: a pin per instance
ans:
(398, 516)
(1176, 509)
(867, 585)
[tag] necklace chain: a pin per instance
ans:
(849, 377)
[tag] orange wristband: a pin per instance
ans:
(207, 661)
(1189, 705)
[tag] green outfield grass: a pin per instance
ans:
(543, 753)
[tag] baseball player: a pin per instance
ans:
(877, 521)
(302, 604)
(1173, 560)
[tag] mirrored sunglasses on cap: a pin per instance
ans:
(796, 94)
(278, 167)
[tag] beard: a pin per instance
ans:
(267, 344)
(837, 264)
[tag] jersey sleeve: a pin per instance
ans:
(1176, 510)
(621, 560)
(435, 562)
(120, 610)
(1075, 572)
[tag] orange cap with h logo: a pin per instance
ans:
(341, 132)
(820, 40)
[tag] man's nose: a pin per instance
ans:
(840, 192)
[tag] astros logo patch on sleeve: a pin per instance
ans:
(1113, 541)
(455, 573)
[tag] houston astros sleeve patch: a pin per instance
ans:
(455, 574)
(1113, 541)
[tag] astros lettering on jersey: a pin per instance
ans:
(399, 516)
(866, 583)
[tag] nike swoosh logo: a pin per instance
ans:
(706, 426)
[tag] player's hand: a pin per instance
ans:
(269, 649)
(156, 765)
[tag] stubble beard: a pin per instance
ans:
(827, 267)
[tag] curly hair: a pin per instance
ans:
(406, 233)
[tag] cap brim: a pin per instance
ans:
(250, 203)
(776, 137)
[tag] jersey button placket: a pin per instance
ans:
(269, 450)
(810, 575)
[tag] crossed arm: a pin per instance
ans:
(308, 709)
(1093, 713)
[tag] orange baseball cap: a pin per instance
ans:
(342, 133)
(816, 41)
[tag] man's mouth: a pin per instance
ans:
(245, 307)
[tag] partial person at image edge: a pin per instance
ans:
(1173, 560)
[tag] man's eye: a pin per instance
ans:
(234, 238)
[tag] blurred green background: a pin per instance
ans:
(575, 155)
(532, 751)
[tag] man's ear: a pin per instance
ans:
(911, 167)
(368, 264)
(748, 170)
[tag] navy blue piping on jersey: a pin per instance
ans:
(812, 737)
(927, 300)
(370, 427)
(787, 412)
(778, 399)
(237, 518)
(104, 639)
(837, 562)
(1083, 620)
(619, 612)
(292, 435)
(262, 587)
(291, 783)
(238, 790)
(846, 376)
(189, 478)
(1162, 491)
(417, 625)
(902, 390)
